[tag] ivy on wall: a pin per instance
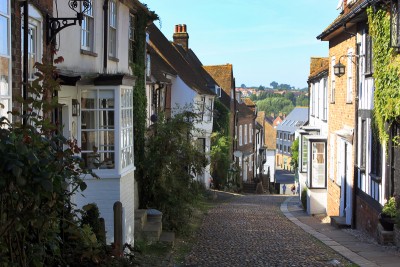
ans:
(386, 72)
(139, 96)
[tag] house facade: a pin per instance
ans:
(191, 86)
(312, 169)
(361, 170)
(285, 135)
(97, 102)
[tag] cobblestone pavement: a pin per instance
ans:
(252, 231)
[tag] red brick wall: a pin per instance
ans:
(341, 114)
(45, 7)
(366, 217)
(333, 199)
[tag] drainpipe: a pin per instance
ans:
(105, 44)
(355, 175)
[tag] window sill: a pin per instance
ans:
(88, 53)
(332, 102)
(349, 102)
(113, 59)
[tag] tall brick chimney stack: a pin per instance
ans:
(181, 36)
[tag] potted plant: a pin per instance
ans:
(387, 217)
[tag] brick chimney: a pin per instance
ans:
(181, 36)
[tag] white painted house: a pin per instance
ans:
(97, 98)
(312, 170)
(191, 86)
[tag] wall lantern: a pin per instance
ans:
(75, 107)
(394, 23)
(55, 25)
(339, 69)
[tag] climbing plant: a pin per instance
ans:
(139, 98)
(386, 63)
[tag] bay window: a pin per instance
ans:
(126, 127)
(98, 128)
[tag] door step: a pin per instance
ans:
(339, 222)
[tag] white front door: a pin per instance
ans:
(344, 161)
(349, 184)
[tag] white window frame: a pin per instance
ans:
(87, 29)
(316, 167)
(126, 117)
(245, 134)
(312, 99)
(112, 28)
(333, 82)
(325, 99)
(240, 136)
(35, 39)
(210, 109)
(100, 158)
(250, 133)
(349, 92)
(5, 52)
(131, 37)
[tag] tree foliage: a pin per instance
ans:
(386, 73)
(220, 160)
(172, 161)
(295, 154)
(275, 105)
(39, 173)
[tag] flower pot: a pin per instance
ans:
(386, 221)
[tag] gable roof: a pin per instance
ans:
(298, 117)
(176, 61)
(223, 74)
(249, 102)
(352, 14)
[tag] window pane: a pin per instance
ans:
(88, 100)
(4, 6)
(318, 165)
(106, 120)
(4, 35)
(88, 119)
(89, 140)
(4, 76)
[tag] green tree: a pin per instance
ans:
(274, 85)
(39, 173)
(295, 154)
(243, 85)
(220, 159)
(172, 161)
(291, 97)
(275, 105)
(302, 101)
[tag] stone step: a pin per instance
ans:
(168, 238)
(154, 215)
(152, 231)
(339, 222)
(140, 219)
(249, 188)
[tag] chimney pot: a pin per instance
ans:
(176, 28)
(184, 28)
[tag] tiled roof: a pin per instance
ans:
(223, 74)
(159, 67)
(175, 60)
(351, 13)
(298, 117)
(317, 66)
(249, 102)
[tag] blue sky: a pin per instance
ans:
(265, 40)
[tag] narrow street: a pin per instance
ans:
(251, 230)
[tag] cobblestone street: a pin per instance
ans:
(252, 231)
